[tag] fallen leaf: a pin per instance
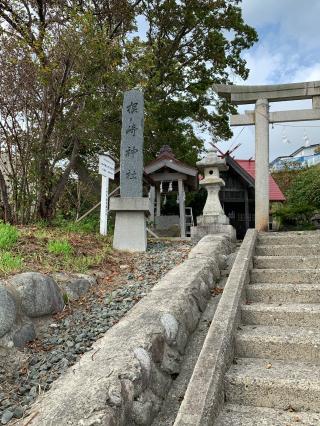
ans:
(217, 290)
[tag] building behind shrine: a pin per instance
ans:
(237, 196)
(305, 156)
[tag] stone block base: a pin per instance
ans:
(198, 232)
(220, 219)
(130, 232)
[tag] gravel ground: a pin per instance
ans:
(26, 374)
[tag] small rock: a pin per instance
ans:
(18, 412)
(6, 417)
(33, 392)
(25, 334)
(54, 325)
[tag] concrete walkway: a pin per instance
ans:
(275, 376)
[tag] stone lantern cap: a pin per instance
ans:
(212, 160)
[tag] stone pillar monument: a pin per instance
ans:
(130, 231)
(213, 219)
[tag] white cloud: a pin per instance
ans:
(307, 73)
(298, 20)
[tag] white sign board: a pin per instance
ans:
(106, 169)
(106, 166)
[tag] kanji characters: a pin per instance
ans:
(132, 108)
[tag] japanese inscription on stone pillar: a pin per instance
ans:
(131, 173)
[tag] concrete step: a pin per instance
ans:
(287, 239)
(290, 233)
(275, 384)
(246, 415)
(285, 276)
(292, 314)
(284, 343)
(283, 293)
(287, 262)
(288, 250)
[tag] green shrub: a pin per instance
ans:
(8, 236)
(295, 216)
(87, 225)
(9, 262)
(303, 198)
(60, 247)
(305, 188)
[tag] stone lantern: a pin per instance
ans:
(211, 166)
(213, 219)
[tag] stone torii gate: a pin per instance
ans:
(261, 118)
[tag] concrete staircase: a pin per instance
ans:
(275, 377)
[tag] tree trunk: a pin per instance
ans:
(47, 204)
(5, 199)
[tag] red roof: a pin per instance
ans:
(275, 193)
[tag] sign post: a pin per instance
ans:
(106, 170)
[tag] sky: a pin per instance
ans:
(288, 51)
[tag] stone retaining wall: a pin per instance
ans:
(30, 295)
(124, 379)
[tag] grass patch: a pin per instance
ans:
(8, 236)
(9, 263)
(54, 249)
(60, 247)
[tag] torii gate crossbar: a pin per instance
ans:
(261, 118)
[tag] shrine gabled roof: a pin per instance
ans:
(167, 159)
(275, 193)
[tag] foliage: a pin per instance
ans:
(60, 63)
(64, 67)
(303, 197)
(9, 263)
(190, 47)
(89, 250)
(8, 236)
(284, 178)
(87, 225)
(65, 298)
(60, 247)
(305, 188)
(289, 213)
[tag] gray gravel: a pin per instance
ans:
(63, 342)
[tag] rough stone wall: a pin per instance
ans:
(31, 295)
(124, 379)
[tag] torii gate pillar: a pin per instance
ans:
(262, 165)
(261, 96)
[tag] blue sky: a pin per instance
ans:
(288, 51)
